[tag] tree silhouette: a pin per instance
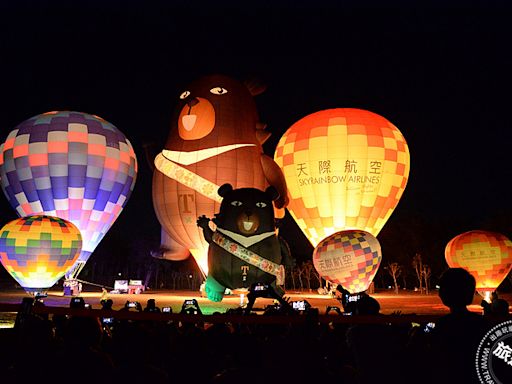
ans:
(417, 264)
(394, 269)
(308, 269)
(426, 272)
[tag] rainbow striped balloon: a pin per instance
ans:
(38, 250)
(71, 165)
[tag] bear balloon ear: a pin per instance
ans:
(272, 193)
(255, 86)
(224, 189)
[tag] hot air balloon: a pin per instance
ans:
(350, 258)
(215, 138)
(71, 165)
(486, 255)
(345, 169)
(38, 250)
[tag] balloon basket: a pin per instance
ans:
(37, 293)
(486, 294)
(72, 287)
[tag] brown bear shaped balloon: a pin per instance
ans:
(215, 138)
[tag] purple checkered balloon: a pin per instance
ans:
(71, 165)
(350, 258)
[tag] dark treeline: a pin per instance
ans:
(406, 239)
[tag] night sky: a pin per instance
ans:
(442, 75)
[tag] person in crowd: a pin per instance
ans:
(374, 348)
(151, 306)
(133, 306)
(104, 294)
(107, 304)
(82, 353)
(32, 332)
(498, 308)
(455, 338)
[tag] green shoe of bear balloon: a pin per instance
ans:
(214, 290)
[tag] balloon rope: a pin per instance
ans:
(188, 178)
(250, 257)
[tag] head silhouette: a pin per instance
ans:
(499, 307)
(106, 304)
(457, 288)
(367, 305)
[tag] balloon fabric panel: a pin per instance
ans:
(71, 165)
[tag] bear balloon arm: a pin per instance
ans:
(275, 177)
(262, 135)
(169, 248)
(203, 222)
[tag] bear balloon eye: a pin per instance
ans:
(261, 204)
(218, 91)
(236, 203)
(184, 95)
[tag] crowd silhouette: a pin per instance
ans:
(106, 349)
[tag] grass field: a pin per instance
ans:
(406, 302)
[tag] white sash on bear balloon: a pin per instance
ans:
(250, 257)
(186, 177)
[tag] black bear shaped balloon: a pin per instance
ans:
(244, 249)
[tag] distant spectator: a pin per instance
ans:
(106, 304)
(104, 294)
(151, 306)
(367, 305)
(496, 308)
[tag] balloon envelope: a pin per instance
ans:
(38, 250)
(72, 165)
(214, 139)
(486, 255)
(345, 169)
(350, 258)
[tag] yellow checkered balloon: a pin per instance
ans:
(486, 255)
(345, 169)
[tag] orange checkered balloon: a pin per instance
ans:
(486, 255)
(350, 258)
(38, 250)
(345, 169)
